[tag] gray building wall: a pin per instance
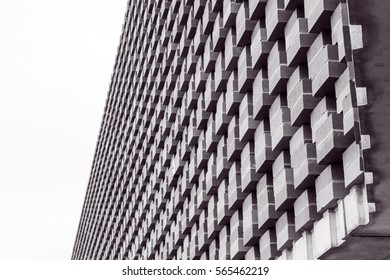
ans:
(242, 130)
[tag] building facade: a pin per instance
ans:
(242, 129)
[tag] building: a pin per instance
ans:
(244, 129)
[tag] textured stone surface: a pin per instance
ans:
(232, 131)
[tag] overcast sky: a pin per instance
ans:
(56, 60)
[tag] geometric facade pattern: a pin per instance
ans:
(231, 131)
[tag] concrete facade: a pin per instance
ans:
(244, 130)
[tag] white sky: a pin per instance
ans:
(56, 60)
